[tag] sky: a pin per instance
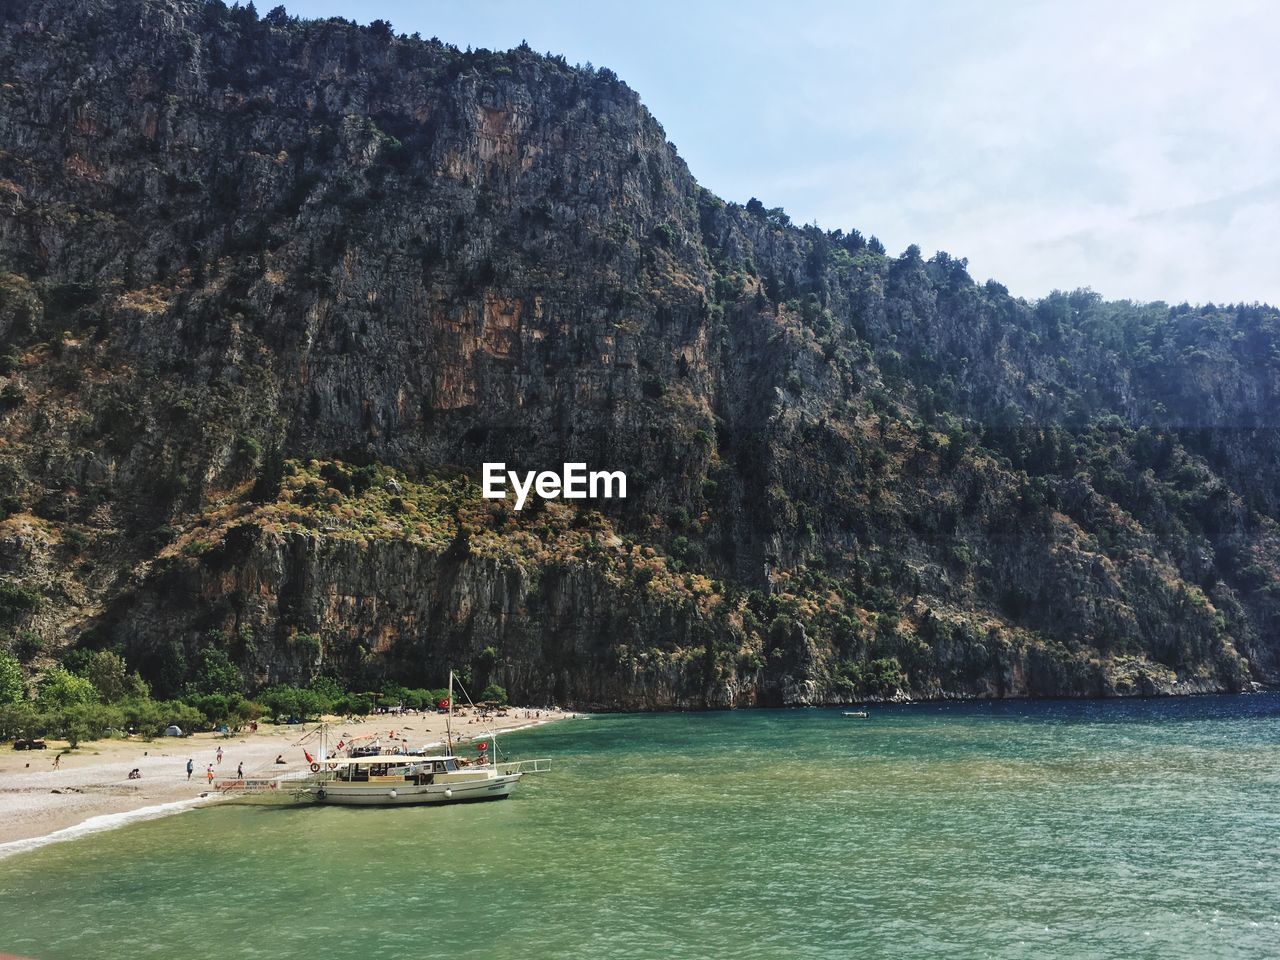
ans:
(1132, 148)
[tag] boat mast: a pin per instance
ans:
(448, 721)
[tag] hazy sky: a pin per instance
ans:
(1133, 148)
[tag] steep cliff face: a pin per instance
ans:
(271, 292)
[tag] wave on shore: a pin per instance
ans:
(106, 821)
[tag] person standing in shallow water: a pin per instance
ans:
(190, 766)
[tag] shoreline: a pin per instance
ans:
(103, 822)
(90, 791)
(1258, 688)
(42, 806)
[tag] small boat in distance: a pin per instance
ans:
(863, 714)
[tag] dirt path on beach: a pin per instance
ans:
(36, 799)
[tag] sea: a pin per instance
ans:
(1062, 829)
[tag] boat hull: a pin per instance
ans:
(365, 795)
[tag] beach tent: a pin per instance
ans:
(173, 730)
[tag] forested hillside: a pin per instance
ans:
(271, 291)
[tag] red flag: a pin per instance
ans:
(310, 759)
(341, 744)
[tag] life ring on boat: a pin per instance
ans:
(333, 766)
(482, 747)
(315, 768)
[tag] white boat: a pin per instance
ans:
(863, 714)
(396, 780)
(401, 779)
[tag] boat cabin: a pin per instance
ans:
(393, 769)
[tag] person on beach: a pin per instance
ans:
(219, 755)
(240, 771)
(190, 766)
(57, 762)
(209, 773)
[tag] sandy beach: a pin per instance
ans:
(91, 786)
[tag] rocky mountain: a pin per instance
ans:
(272, 291)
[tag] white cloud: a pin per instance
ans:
(1125, 148)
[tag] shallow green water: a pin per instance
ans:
(1147, 829)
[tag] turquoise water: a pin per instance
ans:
(1056, 829)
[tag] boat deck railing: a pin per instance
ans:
(542, 765)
